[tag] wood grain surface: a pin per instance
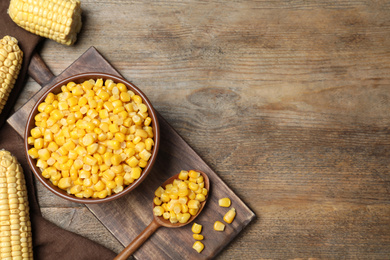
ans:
(125, 218)
(287, 101)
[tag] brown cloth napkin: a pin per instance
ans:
(50, 242)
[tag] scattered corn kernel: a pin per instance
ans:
(196, 228)
(219, 226)
(230, 215)
(198, 246)
(224, 202)
(198, 236)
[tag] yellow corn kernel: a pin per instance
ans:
(200, 197)
(145, 155)
(99, 186)
(230, 215)
(149, 131)
(219, 226)
(36, 132)
(193, 212)
(94, 177)
(81, 151)
(193, 204)
(183, 175)
(183, 192)
(113, 144)
(44, 154)
(136, 172)
(116, 159)
(38, 143)
(184, 208)
(173, 218)
(87, 193)
(132, 161)
(102, 194)
(193, 174)
(108, 175)
(159, 191)
(193, 186)
(158, 211)
(89, 160)
(122, 87)
(139, 147)
(198, 236)
(149, 144)
(110, 184)
(157, 201)
(192, 195)
(148, 121)
(165, 197)
(184, 217)
(91, 149)
(137, 99)
(224, 202)
(69, 145)
(196, 228)
(64, 183)
(73, 101)
(41, 107)
(120, 137)
(75, 189)
(33, 152)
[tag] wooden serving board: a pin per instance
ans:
(125, 218)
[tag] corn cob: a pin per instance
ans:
(59, 20)
(15, 225)
(10, 63)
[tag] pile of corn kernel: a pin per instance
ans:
(182, 198)
(92, 139)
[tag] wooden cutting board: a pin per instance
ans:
(125, 218)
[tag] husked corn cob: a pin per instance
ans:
(10, 63)
(59, 20)
(15, 225)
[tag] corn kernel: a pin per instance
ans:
(183, 175)
(224, 202)
(219, 226)
(158, 211)
(198, 236)
(64, 183)
(230, 215)
(196, 228)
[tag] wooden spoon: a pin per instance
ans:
(160, 221)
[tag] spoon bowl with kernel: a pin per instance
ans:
(178, 201)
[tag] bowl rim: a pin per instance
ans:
(79, 78)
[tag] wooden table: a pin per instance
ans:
(288, 101)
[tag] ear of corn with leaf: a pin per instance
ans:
(59, 20)
(15, 225)
(11, 58)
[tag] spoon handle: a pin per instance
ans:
(138, 241)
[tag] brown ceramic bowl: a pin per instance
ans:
(56, 88)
